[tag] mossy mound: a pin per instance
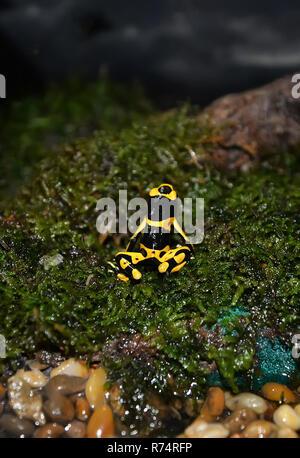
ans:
(161, 336)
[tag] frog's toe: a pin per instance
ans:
(136, 274)
(163, 267)
(179, 258)
(178, 267)
(123, 277)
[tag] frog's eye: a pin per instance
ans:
(153, 192)
(165, 189)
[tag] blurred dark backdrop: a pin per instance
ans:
(178, 49)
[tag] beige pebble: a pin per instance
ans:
(215, 430)
(76, 429)
(286, 433)
(260, 429)
(277, 392)
(35, 378)
(83, 409)
(71, 366)
(201, 429)
(297, 409)
(94, 389)
(244, 400)
(101, 423)
(285, 415)
(49, 431)
(25, 401)
(239, 419)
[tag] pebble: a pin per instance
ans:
(205, 414)
(239, 419)
(260, 429)
(213, 405)
(277, 392)
(2, 391)
(76, 429)
(297, 409)
(25, 401)
(16, 425)
(285, 415)
(35, 364)
(49, 431)
(251, 415)
(76, 396)
(243, 400)
(59, 409)
(82, 409)
(94, 389)
(287, 433)
(35, 378)
(101, 423)
(65, 385)
(71, 366)
(201, 429)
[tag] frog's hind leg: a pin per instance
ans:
(127, 262)
(174, 260)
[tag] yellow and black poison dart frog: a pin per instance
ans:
(154, 232)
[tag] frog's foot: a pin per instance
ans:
(170, 267)
(123, 277)
(127, 266)
(134, 274)
(174, 260)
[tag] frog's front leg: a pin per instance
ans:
(127, 261)
(174, 260)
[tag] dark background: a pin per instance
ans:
(178, 49)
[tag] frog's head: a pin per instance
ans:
(164, 190)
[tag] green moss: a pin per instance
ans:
(243, 280)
